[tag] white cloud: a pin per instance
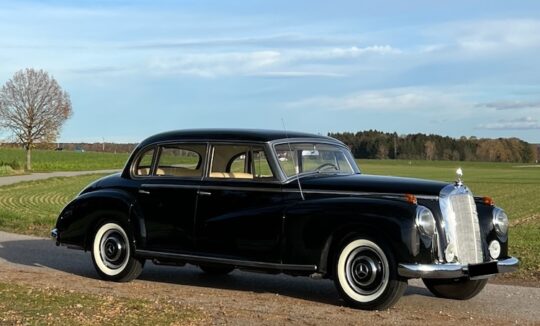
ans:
(395, 99)
(270, 63)
(296, 74)
(218, 64)
(525, 123)
(352, 52)
(511, 105)
(485, 36)
(501, 34)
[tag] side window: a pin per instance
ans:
(144, 164)
(182, 160)
(260, 164)
(239, 162)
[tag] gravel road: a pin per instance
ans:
(243, 298)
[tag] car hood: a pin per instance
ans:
(371, 183)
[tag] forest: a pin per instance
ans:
(373, 144)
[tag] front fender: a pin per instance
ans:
(313, 228)
(78, 220)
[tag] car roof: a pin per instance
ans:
(256, 135)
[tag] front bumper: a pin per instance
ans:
(475, 271)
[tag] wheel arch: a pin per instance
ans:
(319, 227)
(345, 234)
(80, 219)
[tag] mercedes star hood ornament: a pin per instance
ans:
(459, 180)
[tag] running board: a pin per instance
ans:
(235, 262)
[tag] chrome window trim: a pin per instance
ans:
(287, 141)
(251, 144)
(157, 153)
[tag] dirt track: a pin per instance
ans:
(248, 298)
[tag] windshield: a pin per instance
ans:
(299, 158)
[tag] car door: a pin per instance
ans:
(168, 196)
(240, 205)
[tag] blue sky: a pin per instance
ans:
(134, 68)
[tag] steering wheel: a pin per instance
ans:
(327, 165)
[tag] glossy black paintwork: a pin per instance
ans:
(372, 183)
(254, 221)
(237, 220)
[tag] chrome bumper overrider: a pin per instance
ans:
(54, 234)
(452, 270)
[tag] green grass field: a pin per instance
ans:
(32, 207)
(47, 160)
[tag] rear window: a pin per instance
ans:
(144, 164)
(182, 160)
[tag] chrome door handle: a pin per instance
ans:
(144, 192)
(204, 193)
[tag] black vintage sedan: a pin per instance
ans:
(292, 203)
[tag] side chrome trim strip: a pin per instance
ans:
(166, 185)
(266, 189)
(235, 262)
(360, 193)
(453, 270)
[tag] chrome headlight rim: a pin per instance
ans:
(500, 222)
(425, 221)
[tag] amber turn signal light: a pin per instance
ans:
(488, 201)
(411, 199)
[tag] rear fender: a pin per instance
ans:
(78, 221)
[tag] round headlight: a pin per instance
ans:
(500, 222)
(425, 222)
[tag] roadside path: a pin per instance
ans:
(4, 181)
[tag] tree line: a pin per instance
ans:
(373, 144)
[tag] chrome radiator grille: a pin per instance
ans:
(461, 225)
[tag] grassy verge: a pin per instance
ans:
(23, 305)
(48, 160)
(32, 207)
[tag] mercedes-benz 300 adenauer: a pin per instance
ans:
(294, 203)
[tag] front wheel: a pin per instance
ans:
(457, 289)
(112, 254)
(366, 275)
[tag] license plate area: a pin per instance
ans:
(489, 268)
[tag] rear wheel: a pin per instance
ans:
(366, 275)
(458, 289)
(112, 254)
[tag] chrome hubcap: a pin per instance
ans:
(364, 270)
(113, 249)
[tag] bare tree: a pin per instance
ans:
(33, 107)
(430, 149)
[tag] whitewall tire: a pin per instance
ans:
(112, 254)
(366, 275)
